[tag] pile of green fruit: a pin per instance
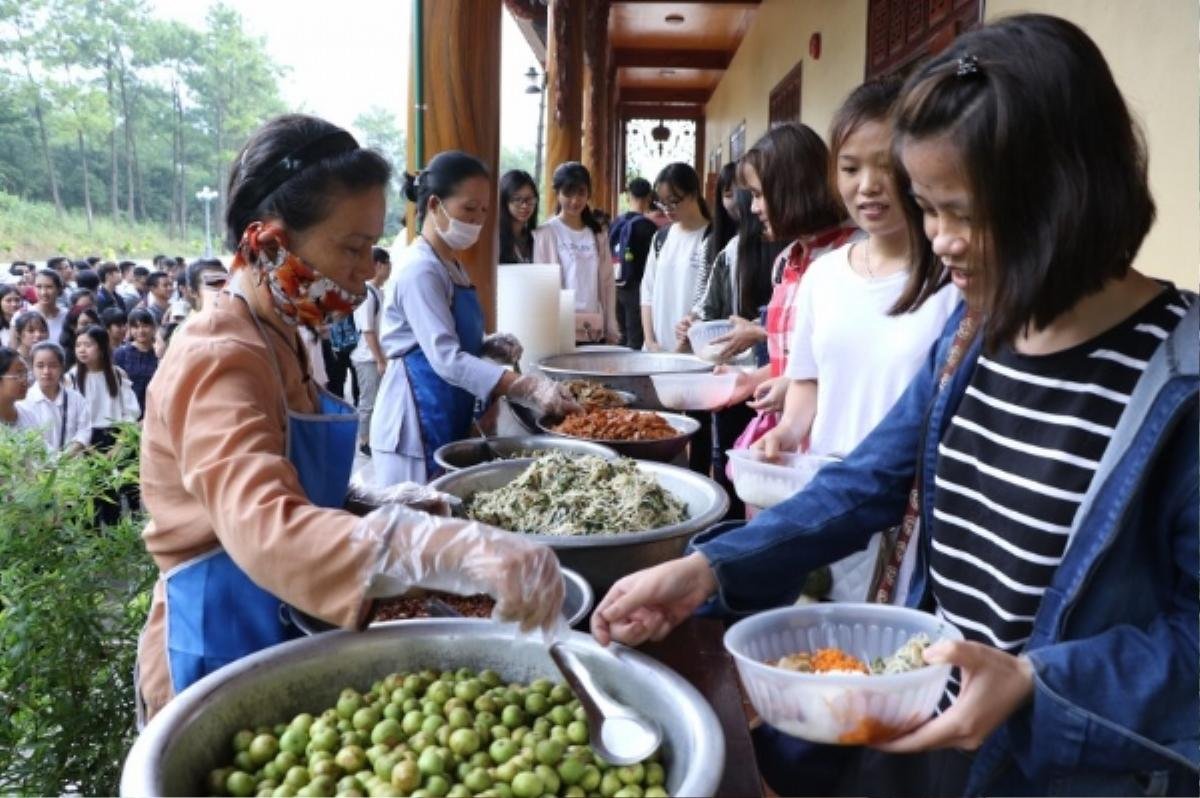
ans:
(434, 735)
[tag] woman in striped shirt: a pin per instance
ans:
(1056, 465)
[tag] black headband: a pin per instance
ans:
(335, 142)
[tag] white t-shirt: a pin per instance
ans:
(55, 324)
(671, 280)
(104, 409)
(862, 360)
(579, 260)
(48, 415)
(366, 318)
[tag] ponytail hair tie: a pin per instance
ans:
(968, 65)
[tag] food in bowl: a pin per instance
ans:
(403, 608)
(441, 732)
(593, 395)
(562, 495)
(909, 657)
(616, 425)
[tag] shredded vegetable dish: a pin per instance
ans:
(617, 425)
(564, 495)
(593, 394)
(909, 657)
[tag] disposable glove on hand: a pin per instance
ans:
(411, 494)
(546, 395)
(502, 348)
(463, 557)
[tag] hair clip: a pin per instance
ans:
(967, 65)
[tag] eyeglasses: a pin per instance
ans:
(523, 202)
(214, 280)
(670, 203)
(26, 377)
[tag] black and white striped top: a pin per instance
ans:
(1015, 464)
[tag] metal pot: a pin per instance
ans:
(603, 559)
(662, 450)
(190, 736)
(623, 371)
(473, 451)
(577, 603)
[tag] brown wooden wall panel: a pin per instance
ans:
(902, 32)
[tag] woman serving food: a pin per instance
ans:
(246, 461)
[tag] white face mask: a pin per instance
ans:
(460, 234)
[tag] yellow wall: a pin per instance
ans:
(777, 39)
(1151, 46)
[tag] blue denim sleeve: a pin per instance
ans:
(763, 563)
(1126, 698)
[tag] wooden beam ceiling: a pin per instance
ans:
(659, 111)
(671, 59)
(665, 96)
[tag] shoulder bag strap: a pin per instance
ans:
(893, 556)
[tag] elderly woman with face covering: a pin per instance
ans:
(246, 460)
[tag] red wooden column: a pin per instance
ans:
(564, 79)
(595, 101)
(460, 40)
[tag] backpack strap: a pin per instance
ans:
(660, 238)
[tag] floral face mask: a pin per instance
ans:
(301, 293)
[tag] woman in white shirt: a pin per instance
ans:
(432, 331)
(14, 382)
(678, 257)
(850, 357)
(49, 287)
(107, 389)
(61, 413)
(11, 303)
(577, 242)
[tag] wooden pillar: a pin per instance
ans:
(595, 101)
(461, 47)
(564, 78)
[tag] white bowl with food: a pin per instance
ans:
(695, 391)
(845, 674)
(765, 483)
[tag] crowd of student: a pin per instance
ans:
(81, 340)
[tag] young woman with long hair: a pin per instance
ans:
(518, 216)
(575, 240)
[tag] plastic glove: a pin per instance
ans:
(744, 335)
(502, 348)
(546, 395)
(769, 397)
(410, 494)
(464, 557)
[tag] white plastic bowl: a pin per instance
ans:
(701, 334)
(694, 391)
(765, 484)
(851, 709)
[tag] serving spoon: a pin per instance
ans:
(619, 734)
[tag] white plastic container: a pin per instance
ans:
(694, 391)
(850, 709)
(765, 484)
(701, 334)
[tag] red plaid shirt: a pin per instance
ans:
(793, 262)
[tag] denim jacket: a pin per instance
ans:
(1115, 708)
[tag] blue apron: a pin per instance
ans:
(444, 410)
(215, 613)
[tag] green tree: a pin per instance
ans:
(236, 88)
(381, 131)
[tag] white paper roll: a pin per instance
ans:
(527, 300)
(566, 320)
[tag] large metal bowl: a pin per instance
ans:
(191, 735)
(662, 450)
(577, 603)
(604, 558)
(473, 451)
(624, 371)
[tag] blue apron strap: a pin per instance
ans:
(444, 411)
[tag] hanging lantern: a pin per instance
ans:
(662, 134)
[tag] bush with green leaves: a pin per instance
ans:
(73, 598)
